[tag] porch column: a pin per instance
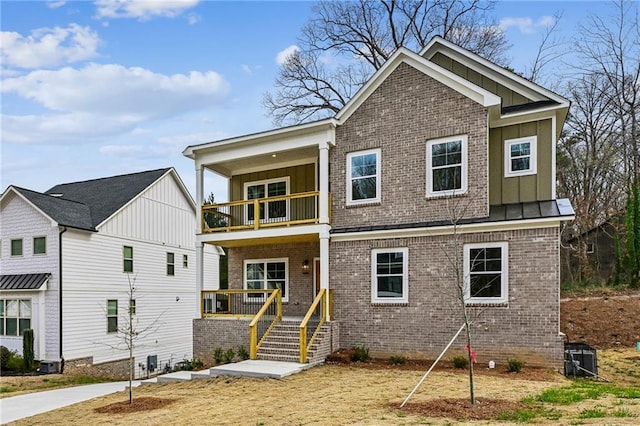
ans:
(199, 198)
(324, 265)
(324, 182)
(199, 277)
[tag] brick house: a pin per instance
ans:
(68, 255)
(442, 162)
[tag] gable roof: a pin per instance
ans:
(86, 204)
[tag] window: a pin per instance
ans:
(132, 306)
(520, 156)
(363, 177)
(15, 316)
(265, 274)
(171, 266)
(112, 316)
(16, 247)
(39, 245)
(485, 271)
(270, 211)
(185, 261)
(447, 166)
(389, 275)
(590, 248)
(127, 255)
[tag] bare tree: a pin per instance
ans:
(550, 50)
(345, 42)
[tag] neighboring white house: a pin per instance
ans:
(69, 254)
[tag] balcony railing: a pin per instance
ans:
(286, 210)
(239, 303)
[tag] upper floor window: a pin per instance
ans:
(112, 316)
(185, 261)
(486, 272)
(520, 156)
(447, 166)
(39, 245)
(270, 211)
(15, 316)
(16, 247)
(363, 177)
(266, 274)
(390, 275)
(171, 266)
(127, 256)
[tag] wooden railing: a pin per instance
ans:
(286, 210)
(313, 320)
(264, 321)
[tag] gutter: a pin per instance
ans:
(60, 293)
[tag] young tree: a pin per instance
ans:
(345, 42)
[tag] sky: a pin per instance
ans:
(92, 89)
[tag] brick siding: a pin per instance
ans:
(225, 333)
(118, 370)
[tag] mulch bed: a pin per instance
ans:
(462, 409)
(138, 404)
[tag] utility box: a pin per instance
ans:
(580, 359)
(49, 367)
(152, 363)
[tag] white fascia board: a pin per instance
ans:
(477, 63)
(263, 137)
(557, 112)
(26, 200)
(449, 229)
(322, 230)
(457, 83)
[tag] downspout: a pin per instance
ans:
(60, 294)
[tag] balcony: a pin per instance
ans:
(260, 213)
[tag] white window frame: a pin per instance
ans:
(533, 156)
(504, 274)
(34, 245)
(266, 182)
(21, 247)
(464, 169)
(125, 259)
(18, 317)
(111, 315)
(171, 265)
(378, 176)
(405, 276)
(284, 260)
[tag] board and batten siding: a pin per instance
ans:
(521, 189)
(18, 219)
(160, 214)
(301, 179)
(165, 305)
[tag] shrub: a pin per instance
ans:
(228, 355)
(397, 359)
(242, 353)
(218, 355)
(360, 354)
(16, 363)
(5, 356)
(27, 349)
(460, 361)
(514, 365)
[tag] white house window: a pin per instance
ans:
(520, 156)
(390, 275)
(15, 316)
(127, 258)
(185, 261)
(266, 274)
(363, 177)
(171, 265)
(16, 247)
(486, 272)
(270, 211)
(447, 166)
(112, 316)
(40, 245)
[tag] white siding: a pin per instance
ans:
(18, 219)
(211, 274)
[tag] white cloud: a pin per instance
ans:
(247, 69)
(142, 9)
(54, 4)
(100, 101)
(283, 55)
(526, 25)
(49, 46)
(193, 18)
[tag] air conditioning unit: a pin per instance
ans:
(49, 367)
(580, 359)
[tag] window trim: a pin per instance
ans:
(504, 274)
(405, 276)
(185, 260)
(18, 318)
(125, 259)
(45, 245)
(171, 265)
(21, 247)
(112, 316)
(350, 201)
(464, 163)
(533, 156)
(285, 297)
(286, 180)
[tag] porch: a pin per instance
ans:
(253, 319)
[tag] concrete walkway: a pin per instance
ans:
(22, 406)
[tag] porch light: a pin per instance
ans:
(305, 267)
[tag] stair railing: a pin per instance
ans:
(264, 321)
(317, 310)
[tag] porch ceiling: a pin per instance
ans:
(241, 164)
(245, 242)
